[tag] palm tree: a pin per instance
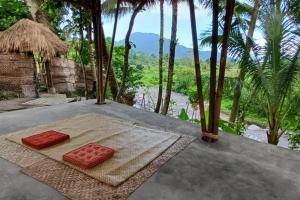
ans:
(242, 73)
(80, 50)
(225, 43)
(213, 65)
(89, 32)
(108, 69)
(40, 16)
(197, 65)
(37, 13)
(276, 67)
(138, 6)
(161, 54)
(171, 58)
(111, 77)
(97, 22)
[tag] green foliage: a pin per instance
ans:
(6, 95)
(229, 85)
(226, 126)
(184, 72)
(193, 94)
(12, 11)
(275, 68)
(135, 72)
(184, 78)
(183, 115)
(294, 139)
(293, 9)
(237, 128)
(55, 11)
(74, 54)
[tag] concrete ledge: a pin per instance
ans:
(233, 168)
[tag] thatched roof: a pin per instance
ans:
(27, 36)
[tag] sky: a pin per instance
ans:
(149, 22)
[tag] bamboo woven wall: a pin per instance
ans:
(16, 72)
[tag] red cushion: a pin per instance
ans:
(45, 139)
(88, 156)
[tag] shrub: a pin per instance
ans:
(294, 139)
(6, 95)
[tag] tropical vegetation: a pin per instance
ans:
(251, 81)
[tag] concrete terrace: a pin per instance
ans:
(235, 168)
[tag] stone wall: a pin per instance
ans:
(63, 74)
(80, 78)
(17, 73)
(68, 76)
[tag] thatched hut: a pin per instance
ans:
(27, 38)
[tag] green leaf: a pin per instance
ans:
(183, 115)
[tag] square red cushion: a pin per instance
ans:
(88, 156)
(45, 139)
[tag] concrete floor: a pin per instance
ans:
(14, 104)
(235, 168)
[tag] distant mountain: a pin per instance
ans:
(148, 43)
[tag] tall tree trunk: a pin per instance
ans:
(50, 85)
(239, 84)
(272, 137)
(171, 58)
(127, 49)
(91, 52)
(99, 50)
(197, 65)
(213, 66)
(37, 13)
(40, 16)
(272, 133)
(108, 69)
(161, 55)
(112, 80)
(80, 55)
(225, 43)
(35, 78)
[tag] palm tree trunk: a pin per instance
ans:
(225, 43)
(99, 50)
(197, 65)
(239, 84)
(127, 49)
(272, 134)
(112, 80)
(35, 78)
(39, 16)
(80, 55)
(91, 52)
(161, 55)
(213, 66)
(112, 47)
(50, 85)
(171, 58)
(37, 13)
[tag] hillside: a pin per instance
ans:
(148, 43)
